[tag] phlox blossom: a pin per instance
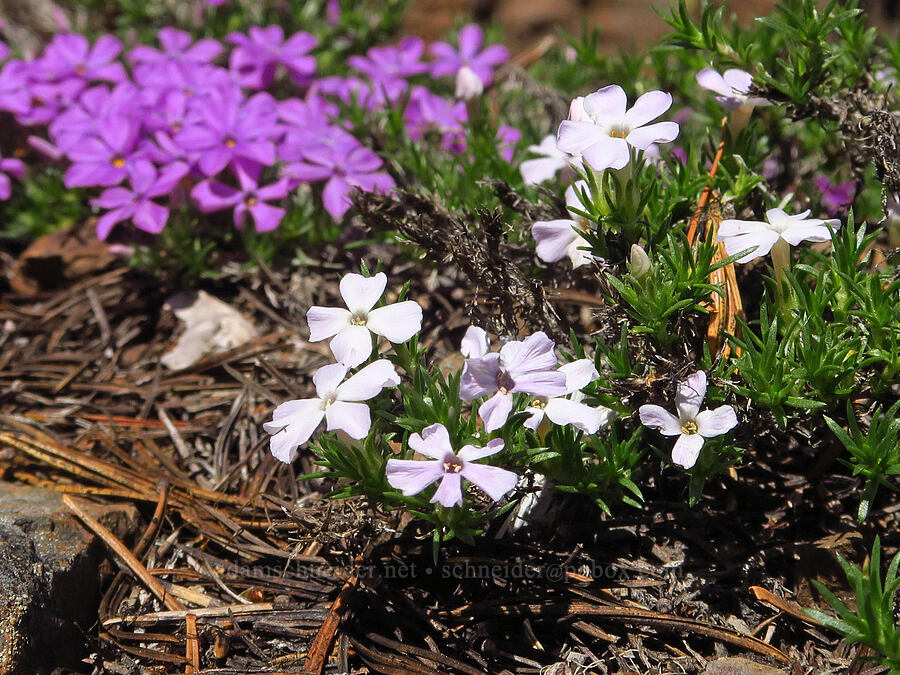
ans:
(520, 366)
(352, 328)
(412, 476)
(570, 410)
(336, 401)
(563, 237)
(781, 227)
(691, 426)
(601, 129)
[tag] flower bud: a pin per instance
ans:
(468, 84)
(640, 262)
(576, 110)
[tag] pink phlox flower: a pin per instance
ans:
(557, 239)
(249, 199)
(259, 53)
(836, 197)
(337, 401)
(569, 409)
(15, 96)
(738, 235)
(467, 61)
(507, 139)
(9, 167)
(521, 366)
(71, 56)
(352, 328)
(603, 127)
(411, 476)
(691, 426)
(177, 46)
(388, 67)
(137, 203)
(429, 113)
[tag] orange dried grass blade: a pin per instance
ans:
(723, 310)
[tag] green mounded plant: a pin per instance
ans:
(875, 454)
(873, 623)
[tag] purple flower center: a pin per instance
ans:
(452, 463)
(505, 383)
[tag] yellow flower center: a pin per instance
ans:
(618, 132)
(358, 321)
(538, 403)
(230, 142)
(118, 162)
(689, 428)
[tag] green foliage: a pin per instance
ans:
(41, 205)
(875, 454)
(872, 624)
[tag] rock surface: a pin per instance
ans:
(49, 578)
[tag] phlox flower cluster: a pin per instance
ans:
(195, 122)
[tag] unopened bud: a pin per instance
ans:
(640, 262)
(468, 84)
(576, 110)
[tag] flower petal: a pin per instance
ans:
(479, 376)
(809, 231)
(716, 422)
(475, 342)
(351, 418)
(368, 382)
(553, 238)
(449, 492)
(647, 108)
(606, 105)
(327, 379)
(655, 417)
(292, 425)
(495, 411)
(494, 481)
(361, 293)
(397, 322)
(690, 394)
(542, 383)
(687, 449)
(579, 374)
(712, 80)
(534, 353)
(584, 417)
(412, 476)
(326, 321)
(661, 132)
(607, 153)
(574, 137)
(763, 240)
(433, 442)
(470, 453)
(352, 345)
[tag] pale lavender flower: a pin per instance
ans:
(550, 161)
(570, 409)
(9, 167)
(781, 229)
(469, 62)
(557, 239)
(606, 127)
(137, 203)
(412, 476)
(691, 426)
(731, 87)
(520, 366)
(352, 328)
(250, 199)
(337, 401)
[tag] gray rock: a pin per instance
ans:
(49, 578)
